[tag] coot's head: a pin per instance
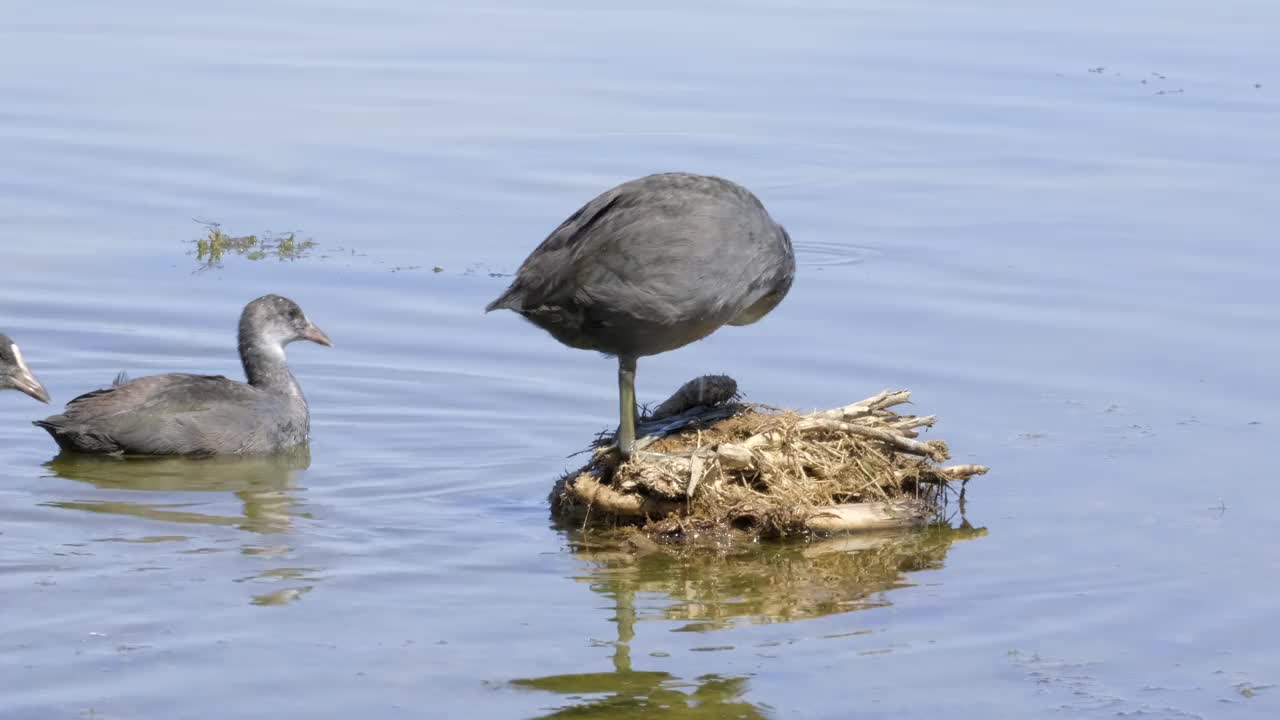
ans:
(278, 321)
(15, 374)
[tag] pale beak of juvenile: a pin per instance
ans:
(316, 335)
(27, 383)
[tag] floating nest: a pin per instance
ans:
(708, 466)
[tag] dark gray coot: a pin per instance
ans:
(650, 266)
(14, 373)
(184, 414)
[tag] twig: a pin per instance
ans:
(866, 516)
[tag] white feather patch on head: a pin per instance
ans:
(17, 356)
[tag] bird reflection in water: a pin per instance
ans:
(701, 590)
(185, 491)
(631, 693)
(262, 484)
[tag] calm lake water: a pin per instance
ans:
(1056, 226)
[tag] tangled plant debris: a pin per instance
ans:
(709, 465)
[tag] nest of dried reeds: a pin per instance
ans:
(708, 464)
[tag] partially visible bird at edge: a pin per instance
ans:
(14, 373)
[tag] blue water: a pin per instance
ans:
(1054, 225)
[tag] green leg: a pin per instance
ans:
(626, 406)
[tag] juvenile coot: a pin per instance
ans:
(183, 414)
(14, 373)
(650, 266)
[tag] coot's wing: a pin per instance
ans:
(639, 230)
(546, 277)
(669, 249)
(159, 415)
(678, 248)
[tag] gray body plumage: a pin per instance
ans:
(650, 266)
(655, 264)
(186, 414)
(181, 414)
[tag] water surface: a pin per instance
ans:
(1054, 225)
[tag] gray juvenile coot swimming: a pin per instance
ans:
(650, 266)
(183, 414)
(14, 373)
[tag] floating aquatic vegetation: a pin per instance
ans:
(216, 245)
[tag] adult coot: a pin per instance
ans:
(650, 266)
(14, 373)
(183, 414)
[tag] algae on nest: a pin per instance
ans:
(725, 469)
(216, 244)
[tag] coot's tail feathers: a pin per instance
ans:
(53, 425)
(76, 439)
(512, 299)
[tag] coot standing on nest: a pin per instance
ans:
(183, 414)
(650, 266)
(14, 373)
